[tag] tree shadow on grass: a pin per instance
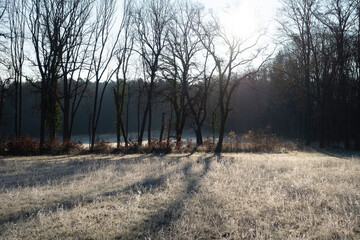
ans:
(164, 217)
(341, 153)
(43, 172)
(150, 183)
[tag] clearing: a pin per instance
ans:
(197, 196)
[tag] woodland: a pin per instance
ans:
(152, 70)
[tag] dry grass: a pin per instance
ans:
(201, 196)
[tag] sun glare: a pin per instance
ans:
(241, 20)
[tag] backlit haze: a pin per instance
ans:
(243, 18)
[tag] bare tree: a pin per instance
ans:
(4, 92)
(239, 54)
(104, 48)
(17, 18)
(339, 16)
(4, 63)
(49, 33)
(123, 57)
(152, 18)
(298, 26)
(75, 61)
(3, 7)
(181, 68)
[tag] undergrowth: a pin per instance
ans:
(253, 141)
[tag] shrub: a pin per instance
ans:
(53, 146)
(262, 140)
(156, 146)
(207, 146)
(72, 147)
(102, 145)
(21, 146)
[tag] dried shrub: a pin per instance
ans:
(102, 146)
(262, 140)
(53, 146)
(2, 147)
(155, 146)
(185, 147)
(21, 146)
(232, 143)
(207, 146)
(72, 147)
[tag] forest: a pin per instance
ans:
(153, 70)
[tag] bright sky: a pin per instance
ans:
(244, 17)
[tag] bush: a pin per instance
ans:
(102, 146)
(262, 140)
(52, 146)
(207, 146)
(21, 146)
(72, 147)
(155, 146)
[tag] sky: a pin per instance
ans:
(243, 17)
(246, 19)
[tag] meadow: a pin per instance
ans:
(293, 195)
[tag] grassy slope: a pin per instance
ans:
(202, 196)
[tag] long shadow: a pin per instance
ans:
(340, 153)
(148, 184)
(163, 218)
(41, 172)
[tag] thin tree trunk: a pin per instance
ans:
(169, 130)
(162, 128)
(149, 124)
(221, 135)
(16, 106)
(198, 133)
(93, 125)
(20, 105)
(42, 115)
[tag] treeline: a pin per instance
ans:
(136, 66)
(315, 78)
(244, 101)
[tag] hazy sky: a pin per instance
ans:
(245, 16)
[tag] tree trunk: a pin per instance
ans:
(149, 124)
(162, 128)
(221, 135)
(93, 119)
(198, 133)
(16, 107)
(118, 117)
(169, 130)
(20, 105)
(42, 115)
(147, 109)
(66, 112)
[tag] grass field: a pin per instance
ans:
(293, 195)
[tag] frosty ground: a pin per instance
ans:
(188, 196)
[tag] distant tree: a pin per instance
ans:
(17, 19)
(339, 16)
(152, 18)
(103, 53)
(124, 52)
(49, 29)
(4, 92)
(180, 67)
(4, 63)
(3, 7)
(239, 54)
(298, 27)
(74, 63)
